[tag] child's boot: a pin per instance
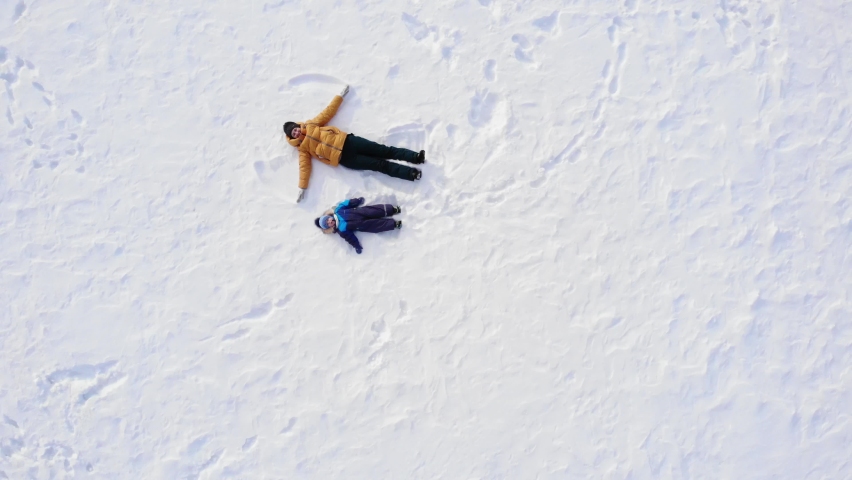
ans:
(396, 210)
(398, 224)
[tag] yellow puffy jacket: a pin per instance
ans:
(319, 141)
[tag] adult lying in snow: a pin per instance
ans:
(349, 216)
(334, 147)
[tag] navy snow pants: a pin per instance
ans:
(370, 218)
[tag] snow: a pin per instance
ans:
(628, 256)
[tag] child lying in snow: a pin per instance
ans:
(348, 217)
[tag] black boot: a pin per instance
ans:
(396, 210)
(415, 174)
(421, 157)
(398, 224)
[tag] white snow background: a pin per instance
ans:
(628, 256)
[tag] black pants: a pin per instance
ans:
(361, 154)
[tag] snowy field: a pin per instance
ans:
(628, 257)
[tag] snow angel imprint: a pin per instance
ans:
(334, 147)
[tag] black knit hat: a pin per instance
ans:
(288, 128)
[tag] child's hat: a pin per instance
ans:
(322, 222)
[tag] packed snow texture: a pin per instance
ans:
(628, 256)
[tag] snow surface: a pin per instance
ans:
(628, 256)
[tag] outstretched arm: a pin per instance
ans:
(351, 203)
(329, 112)
(304, 169)
(351, 239)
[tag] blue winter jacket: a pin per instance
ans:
(343, 218)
